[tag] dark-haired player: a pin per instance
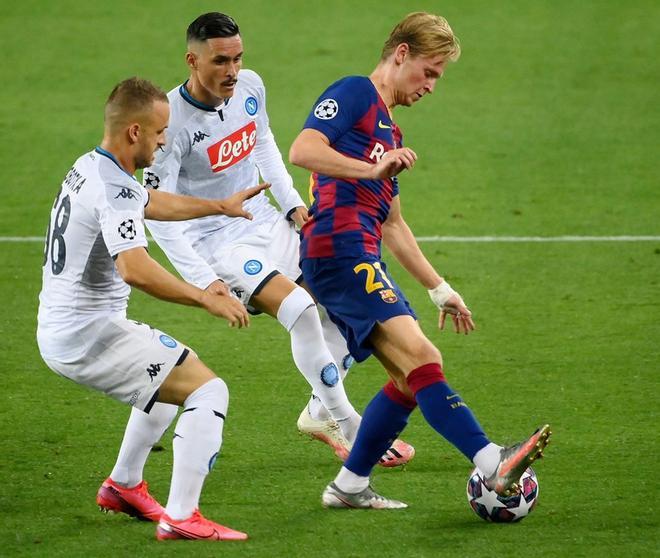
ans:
(95, 249)
(355, 151)
(219, 143)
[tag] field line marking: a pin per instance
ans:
(475, 239)
(648, 238)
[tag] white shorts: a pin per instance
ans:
(248, 264)
(126, 360)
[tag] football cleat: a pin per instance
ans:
(196, 527)
(136, 501)
(514, 460)
(329, 432)
(399, 454)
(333, 497)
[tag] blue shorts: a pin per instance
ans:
(357, 293)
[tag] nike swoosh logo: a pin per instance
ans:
(384, 126)
(452, 396)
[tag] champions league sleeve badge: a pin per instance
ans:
(327, 109)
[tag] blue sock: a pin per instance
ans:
(382, 421)
(446, 412)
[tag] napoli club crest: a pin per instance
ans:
(251, 106)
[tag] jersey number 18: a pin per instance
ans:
(55, 246)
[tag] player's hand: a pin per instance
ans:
(450, 302)
(226, 307)
(218, 287)
(299, 216)
(460, 315)
(233, 205)
(394, 162)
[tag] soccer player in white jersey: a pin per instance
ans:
(219, 143)
(95, 249)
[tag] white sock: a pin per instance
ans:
(196, 443)
(336, 344)
(487, 459)
(142, 432)
(314, 360)
(349, 482)
(316, 409)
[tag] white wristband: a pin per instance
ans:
(441, 294)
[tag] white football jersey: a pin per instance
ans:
(214, 152)
(98, 212)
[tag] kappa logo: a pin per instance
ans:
(251, 106)
(151, 180)
(199, 136)
(154, 369)
(126, 194)
(232, 149)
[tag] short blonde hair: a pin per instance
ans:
(426, 35)
(131, 98)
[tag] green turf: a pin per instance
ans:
(548, 125)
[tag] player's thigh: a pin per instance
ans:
(401, 346)
(126, 360)
(284, 249)
(184, 378)
(252, 274)
(282, 255)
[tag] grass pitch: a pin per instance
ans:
(547, 125)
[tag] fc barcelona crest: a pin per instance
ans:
(388, 295)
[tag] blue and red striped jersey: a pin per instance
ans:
(346, 214)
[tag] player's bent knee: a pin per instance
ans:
(214, 395)
(184, 379)
(293, 305)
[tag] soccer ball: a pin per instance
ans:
(489, 506)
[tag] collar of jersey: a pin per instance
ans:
(110, 156)
(194, 102)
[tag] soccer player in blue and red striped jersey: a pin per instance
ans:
(355, 152)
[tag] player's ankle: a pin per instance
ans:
(316, 409)
(349, 482)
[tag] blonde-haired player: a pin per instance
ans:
(95, 249)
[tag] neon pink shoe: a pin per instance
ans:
(136, 501)
(196, 527)
(329, 432)
(399, 454)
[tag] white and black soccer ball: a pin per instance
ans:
(489, 506)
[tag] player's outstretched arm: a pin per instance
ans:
(141, 271)
(400, 240)
(311, 150)
(164, 206)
